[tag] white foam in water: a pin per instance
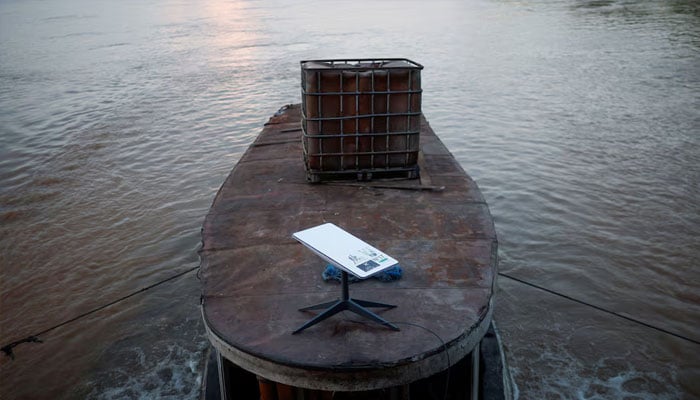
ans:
(177, 374)
(609, 378)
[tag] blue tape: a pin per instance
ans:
(333, 273)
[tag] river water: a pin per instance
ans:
(119, 121)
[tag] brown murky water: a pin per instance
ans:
(120, 120)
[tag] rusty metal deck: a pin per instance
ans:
(256, 277)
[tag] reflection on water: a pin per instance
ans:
(119, 121)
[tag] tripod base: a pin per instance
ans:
(346, 304)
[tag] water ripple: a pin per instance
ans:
(118, 124)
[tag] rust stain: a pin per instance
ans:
(255, 277)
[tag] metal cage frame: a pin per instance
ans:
(360, 118)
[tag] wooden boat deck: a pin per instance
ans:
(256, 277)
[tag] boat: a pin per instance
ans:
(256, 278)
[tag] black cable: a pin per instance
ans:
(7, 349)
(599, 308)
(444, 346)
